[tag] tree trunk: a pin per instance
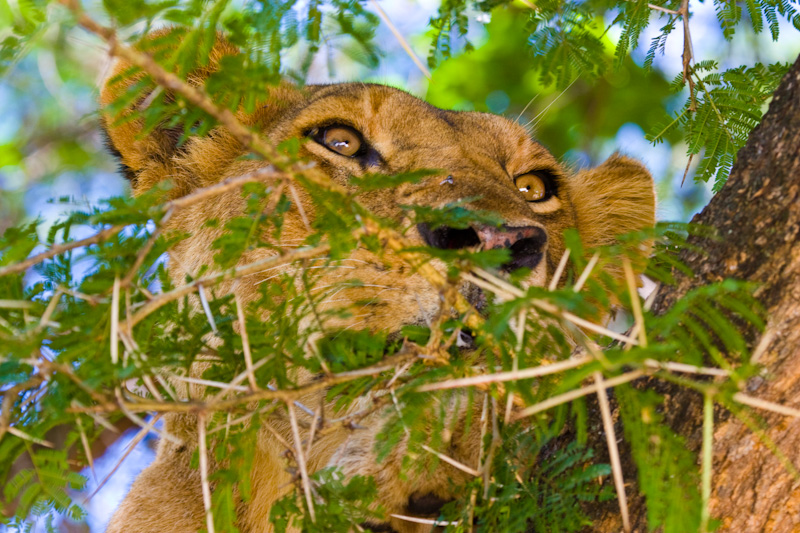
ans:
(757, 218)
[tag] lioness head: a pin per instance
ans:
(484, 161)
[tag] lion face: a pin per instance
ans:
(482, 161)
(489, 163)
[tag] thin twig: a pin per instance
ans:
(115, 322)
(278, 436)
(519, 332)
(58, 249)
(16, 304)
(664, 9)
(300, 209)
(314, 424)
(248, 357)
(688, 53)
(242, 419)
(577, 393)
(586, 272)
(203, 454)
(301, 462)
(758, 403)
(50, 309)
(514, 375)
(493, 445)
(562, 264)
(122, 405)
(683, 367)
(26, 436)
(142, 254)
(763, 344)
(428, 521)
(613, 450)
(86, 448)
(210, 383)
(400, 39)
(708, 457)
(201, 292)
(223, 187)
(131, 445)
(99, 420)
(636, 305)
(503, 287)
(240, 378)
(449, 460)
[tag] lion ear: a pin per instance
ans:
(613, 199)
(146, 157)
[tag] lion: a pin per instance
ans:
(488, 162)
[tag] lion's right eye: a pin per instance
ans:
(535, 186)
(343, 140)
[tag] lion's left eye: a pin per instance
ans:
(343, 140)
(535, 186)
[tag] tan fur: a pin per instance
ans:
(482, 153)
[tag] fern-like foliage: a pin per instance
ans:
(450, 24)
(719, 118)
(565, 39)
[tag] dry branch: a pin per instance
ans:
(203, 455)
(301, 461)
(109, 404)
(613, 450)
(514, 375)
(577, 393)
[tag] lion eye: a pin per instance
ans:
(341, 139)
(534, 186)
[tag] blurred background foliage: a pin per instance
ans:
(500, 77)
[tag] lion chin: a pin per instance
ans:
(487, 163)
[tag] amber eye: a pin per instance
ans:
(534, 186)
(341, 139)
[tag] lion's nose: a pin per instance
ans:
(527, 244)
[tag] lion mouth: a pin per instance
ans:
(526, 244)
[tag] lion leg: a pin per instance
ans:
(166, 496)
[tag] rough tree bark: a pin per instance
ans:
(757, 217)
